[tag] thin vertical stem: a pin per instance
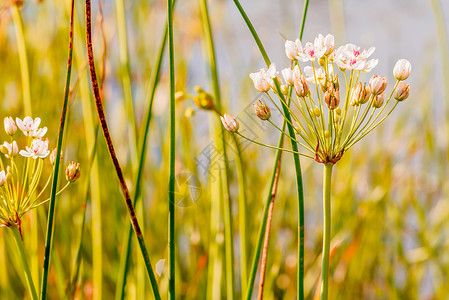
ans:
(23, 258)
(121, 282)
(263, 265)
(51, 210)
(221, 145)
(327, 177)
(104, 127)
(171, 184)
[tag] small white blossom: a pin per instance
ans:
(38, 149)
(230, 123)
(312, 52)
(39, 133)
(351, 58)
(326, 42)
(28, 125)
(10, 150)
(292, 49)
(10, 126)
(319, 73)
(260, 80)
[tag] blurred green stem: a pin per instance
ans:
(23, 258)
(327, 178)
(221, 145)
(18, 25)
(124, 72)
(51, 210)
(172, 157)
(124, 261)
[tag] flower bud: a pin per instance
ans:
(301, 87)
(189, 112)
(402, 91)
(377, 84)
(230, 123)
(53, 156)
(338, 111)
(378, 100)
(262, 111)
(284, 89)
(332, 96)
(72, 172)
(317, 111)
(402, 69)
(2, 178)
(289, 76)
(292, 49)
(204, 101)
(10, 150)
(10, 126)
(198, 89)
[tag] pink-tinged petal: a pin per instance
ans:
(20, 124)
(369, 52)
(36, 124)
(25, 153)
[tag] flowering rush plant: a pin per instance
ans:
(328, 119)
(20, 188)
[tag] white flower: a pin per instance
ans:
(402, 69)
(10, 126)
(39, 133)
(2, 178)
(260, 80)
(351, 58)
(288, 76)
(319, 73)
(325, 42)
(28, 125)
(292, 49)
(312, 52)
(39, 149)
(10, 150)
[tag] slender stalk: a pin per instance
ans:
(124, 262)
(274, 179)
(23, 258)
(51, 210)
(221, 145)
(327, 178)
(263, 264)
(24, 69)
(171, 184)
(104, 127)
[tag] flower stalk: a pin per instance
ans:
(327, 181)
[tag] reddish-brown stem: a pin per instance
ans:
(263, 264)
(118, 170)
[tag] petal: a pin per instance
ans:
(36, 123)
(25, 153)
(20, 124)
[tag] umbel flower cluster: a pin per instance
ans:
(20, 175)
(329, 117)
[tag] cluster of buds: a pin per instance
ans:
(18, 191)
(321, 117)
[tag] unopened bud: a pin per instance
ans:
(317, 111)
(378, 100)
(198, 89)
(284, 89)
(322, 61)
(2, 178)
(10, 126)
(301, 87)
(204, 101)
(338, 111)
(262, 111)
(230, 123)
(402, 69)
(402, 91)
(72, 172)
(377, 84)
(326, 134)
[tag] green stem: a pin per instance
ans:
(24, 69)
(23, 258)
(327, 177)
(51, 210)
(124, 262)
(172, 156)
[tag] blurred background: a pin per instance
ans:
(390, 192)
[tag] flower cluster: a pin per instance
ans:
(18, 190)
(328, 118)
